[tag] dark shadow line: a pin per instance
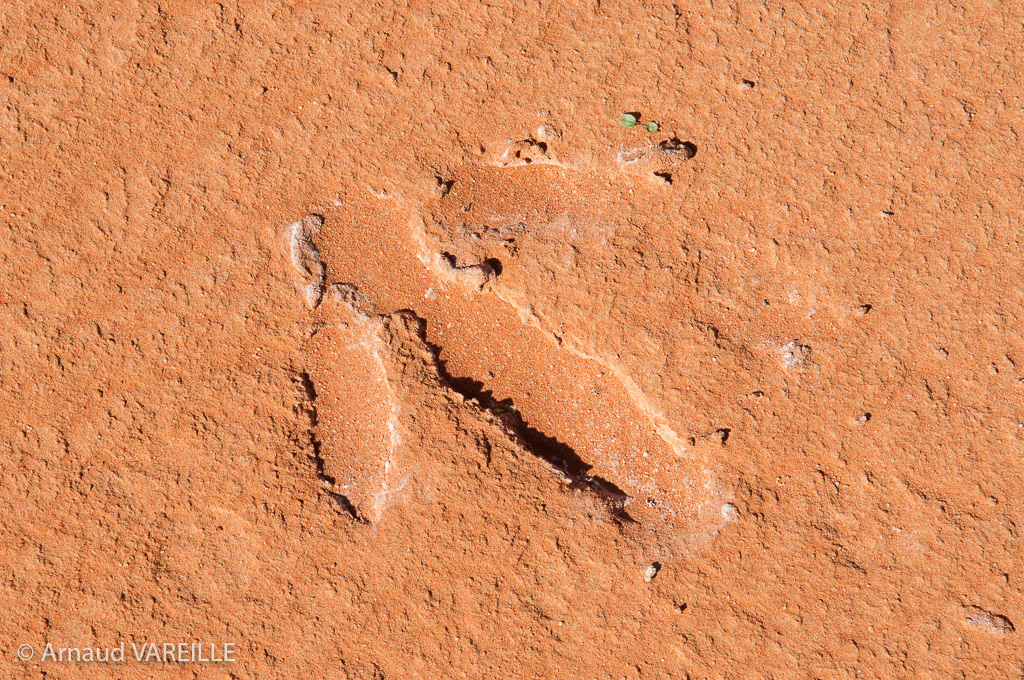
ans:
(556, 453)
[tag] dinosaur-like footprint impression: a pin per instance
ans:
(538, 300)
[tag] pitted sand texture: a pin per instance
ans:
(364, 338)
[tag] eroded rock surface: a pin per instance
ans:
(346, 333)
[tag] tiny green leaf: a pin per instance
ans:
(629, 118)
(652, 127)
(626, 123)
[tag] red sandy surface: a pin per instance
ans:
(364, 338)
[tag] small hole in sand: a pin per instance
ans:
(676, 145)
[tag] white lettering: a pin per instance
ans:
(145, 652)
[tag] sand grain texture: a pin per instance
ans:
(365, 338)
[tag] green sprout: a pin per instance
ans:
(629, 120)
